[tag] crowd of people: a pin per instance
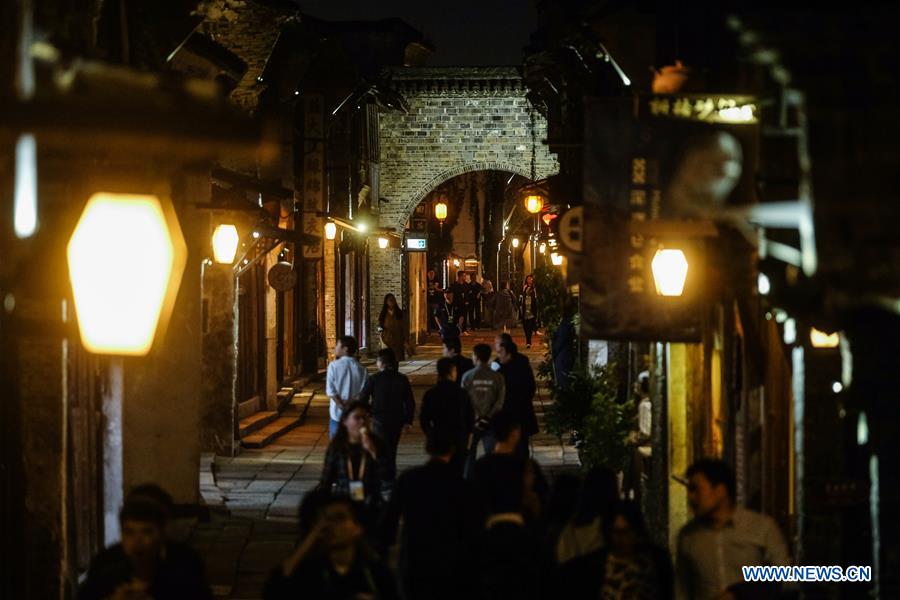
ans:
(467, 304)
(463, 526)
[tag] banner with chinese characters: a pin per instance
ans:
(649, 158)
(313, 173)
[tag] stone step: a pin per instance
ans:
(256, 421)
(249, 407)
(271, 432)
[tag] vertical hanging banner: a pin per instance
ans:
(313, 173)
(675, 158)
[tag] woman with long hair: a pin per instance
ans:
(351, 465)
(528, 309)
(392, 324)
(504, 307)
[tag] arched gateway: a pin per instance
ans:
(460, 119)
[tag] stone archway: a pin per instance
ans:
(460, 119)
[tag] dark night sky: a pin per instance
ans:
(464, 32)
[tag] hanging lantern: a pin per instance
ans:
(440, 211)
(534, 204)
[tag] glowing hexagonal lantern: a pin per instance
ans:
(670, 269)
(225, 241)
(126, 257)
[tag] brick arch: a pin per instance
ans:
(413, 201)
(458, 120)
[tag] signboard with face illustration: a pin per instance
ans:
(649, 158)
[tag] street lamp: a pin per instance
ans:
(670, 269)
(121, 297)
(225, 242)
(330, 230)
(534, 204)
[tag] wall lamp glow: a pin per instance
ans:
(122, 298)
(820, 339)
(556, 259)
(542, 248)
(670, 268)
(25, 193)
(383, 242)
(515, 242)
(225, 241)
(330, 231)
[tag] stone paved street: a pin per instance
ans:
(254, 496)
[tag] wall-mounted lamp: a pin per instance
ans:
(670, 269)
(330, 230)
(225, 241)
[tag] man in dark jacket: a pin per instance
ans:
(513, 564)
(390, 395)
(462, 296)
(145, 563)
(437, 558)
(520, 389)
(448, 316)
(452, 349)
(446, 410)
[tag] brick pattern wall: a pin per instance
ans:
(249, 30)
(459, 120)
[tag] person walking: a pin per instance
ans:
(513, 563)
(520, 390)
(437, 558)
(722, 537)
(344, 380)
(488, 302)
(448, 316)
(432, 295)
(504, 308)
(332, 560)
(393, 327)
(487, 392)
(627, 566)
(452, 349)
(351, 467)
(390, 396)
(528, 309)
(462, 298)
(475, 289)
(446, 410)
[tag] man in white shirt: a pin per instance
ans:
(344, 381)
(722, 538)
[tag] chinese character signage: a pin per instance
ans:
(649, 158)
(313, 173)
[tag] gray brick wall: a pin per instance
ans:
(459, 120)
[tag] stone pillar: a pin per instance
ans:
(218, 405)
(163, 391)
(330, 294)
